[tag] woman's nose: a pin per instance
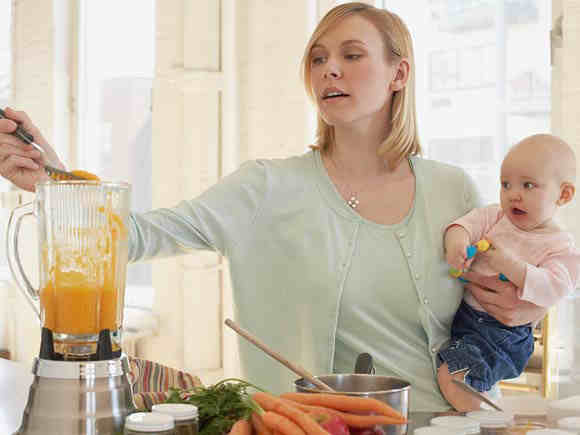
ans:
(332, 72)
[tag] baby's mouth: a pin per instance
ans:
(518, 211)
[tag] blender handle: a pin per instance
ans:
(13, 255)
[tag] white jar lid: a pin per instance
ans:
(468, 425)
(436, 430)
(149, 422)
(549, 432)
(492, 419)
(569, 423)
(179, 411)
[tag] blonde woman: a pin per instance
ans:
(337, 251)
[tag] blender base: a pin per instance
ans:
(78, 397)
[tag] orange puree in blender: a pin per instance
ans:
(74, 303)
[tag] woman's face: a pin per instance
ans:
(350, 76)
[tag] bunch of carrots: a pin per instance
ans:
(298, 413)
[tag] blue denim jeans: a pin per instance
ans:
(487, 349)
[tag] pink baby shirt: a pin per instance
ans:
(553, 260)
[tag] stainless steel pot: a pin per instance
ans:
(393, 391)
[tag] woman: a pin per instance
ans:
(337, 251)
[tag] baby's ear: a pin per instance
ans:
(567, 191)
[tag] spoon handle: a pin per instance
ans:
(300, 371)
(479, 395)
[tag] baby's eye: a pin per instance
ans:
(528, 185)
(505, 184)
(353, 56)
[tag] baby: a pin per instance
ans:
(528, 247)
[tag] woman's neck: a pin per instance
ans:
(355, 150)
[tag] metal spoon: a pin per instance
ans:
(54, 173)
(477, 394)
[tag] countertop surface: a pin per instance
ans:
(15, 380)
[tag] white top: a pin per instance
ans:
(468, 425)
(549, 432)
(149, 422)
(571, 423)
(435, 430)
(492, 419)
(179, 411)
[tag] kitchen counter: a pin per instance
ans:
(15, 380)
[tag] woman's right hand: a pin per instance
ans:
(21, 163)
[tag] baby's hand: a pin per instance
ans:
(456, 243)
(498, 256)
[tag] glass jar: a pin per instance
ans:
(150, 423)
(468, 425)
(524, 428)
(492, 422)
(185, 416)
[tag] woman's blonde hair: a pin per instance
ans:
(403, 139)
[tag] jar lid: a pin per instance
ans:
(569, 423)
(466, 424)
(491, 419)
(179, 411)
(549, 432)
(437, 430)
(149, 422)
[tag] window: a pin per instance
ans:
(480, 89)
(116, 67)
(5, 64)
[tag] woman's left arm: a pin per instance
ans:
(500, 299)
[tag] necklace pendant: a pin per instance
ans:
(353, 201)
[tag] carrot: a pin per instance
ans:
(279, 423)
(344, 403)
(352, 420)
(275, 404)
(261, 428)
(241, 427)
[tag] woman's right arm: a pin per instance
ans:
(218, 219)
(21, 163)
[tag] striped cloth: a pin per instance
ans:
(151, 382)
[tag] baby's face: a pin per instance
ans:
(530, 189)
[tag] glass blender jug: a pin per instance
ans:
(82, 242)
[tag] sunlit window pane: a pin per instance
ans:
(5, 63)
(480, 88)
(116, 65)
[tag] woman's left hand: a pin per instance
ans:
(500, 300)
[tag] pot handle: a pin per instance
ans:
(364, 364)
(13, 255)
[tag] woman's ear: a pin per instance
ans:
(567, 191)
(401, 76)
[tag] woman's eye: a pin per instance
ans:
(317, 60)
(353, 56)
(528, 185)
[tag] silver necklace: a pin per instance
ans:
(353, 196)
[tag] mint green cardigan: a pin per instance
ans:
(295, 247)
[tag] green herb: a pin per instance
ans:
(219, 406)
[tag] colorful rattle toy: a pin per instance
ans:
(481, 246)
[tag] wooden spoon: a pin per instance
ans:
(300, 371)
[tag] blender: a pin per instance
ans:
(80, 376)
